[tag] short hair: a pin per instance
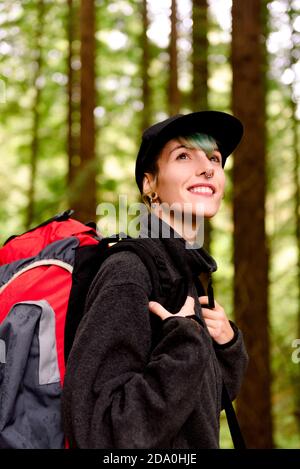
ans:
(199, 141)
(196, 140)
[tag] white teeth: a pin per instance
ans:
(201, 189)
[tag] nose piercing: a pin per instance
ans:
(209, 174)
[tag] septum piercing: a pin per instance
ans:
(209, 174)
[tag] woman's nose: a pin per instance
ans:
(204, 165)
(209, 173)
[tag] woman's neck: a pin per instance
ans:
(190, 227)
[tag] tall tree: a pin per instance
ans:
(250, 243)
(84, 183)
(199, 56)
(145, 63)
(73, 90)
(173, 95)
(293, 58)
(199, 93)
(35, 113)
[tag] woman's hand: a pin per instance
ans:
(217, 322)
(186, 310)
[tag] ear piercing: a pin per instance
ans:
(153, 197)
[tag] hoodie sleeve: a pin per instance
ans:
(233, 360)
(119, 392)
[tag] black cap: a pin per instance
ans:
(226, 129)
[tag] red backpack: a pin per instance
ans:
(45, 274)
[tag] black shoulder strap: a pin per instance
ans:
(233, 424)
(143, 249)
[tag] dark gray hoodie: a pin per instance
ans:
(135, 381)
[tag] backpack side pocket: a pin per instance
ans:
(30, 388)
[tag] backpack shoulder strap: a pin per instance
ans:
(142, 248)
(233, 424)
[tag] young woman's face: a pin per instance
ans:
(181, 178)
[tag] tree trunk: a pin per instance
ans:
(250, 244)
(295, 129)
(200, 74)
(174, 95)
(295, 145)
(199, 56)
(36, 117)
(84, 186)
(73, 91)
(145, 62)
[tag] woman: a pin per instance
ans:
(143, 374)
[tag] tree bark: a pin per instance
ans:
(145, 63)
(199, 56)
(84, 186)
(250, 243)
(174, 95)
(293, 14)
(73, 91)
(35, 117)
(295, 129)
(199, 93)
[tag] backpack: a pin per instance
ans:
(45, 274)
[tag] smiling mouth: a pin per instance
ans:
(202, 190)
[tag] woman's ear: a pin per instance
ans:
(148, 183)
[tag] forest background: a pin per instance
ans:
(80, 80)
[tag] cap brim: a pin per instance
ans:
(227, 130)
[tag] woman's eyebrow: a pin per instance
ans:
(177, 147)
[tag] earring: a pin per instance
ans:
(153, 196)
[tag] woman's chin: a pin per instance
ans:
(205, 210)
(210, 213)
(201, 209)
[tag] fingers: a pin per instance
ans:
(217, 322)
(213, 333)
(211, 314)
(204, 300)
(211, 323)
(188, 307)
(186, 310)
(159, 310)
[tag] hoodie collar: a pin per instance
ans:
(197, 260)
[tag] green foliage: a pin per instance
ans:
(20, 29)
(118, 117)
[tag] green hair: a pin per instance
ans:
(199, 141)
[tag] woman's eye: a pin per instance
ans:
(182, 156)
(215, 158)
